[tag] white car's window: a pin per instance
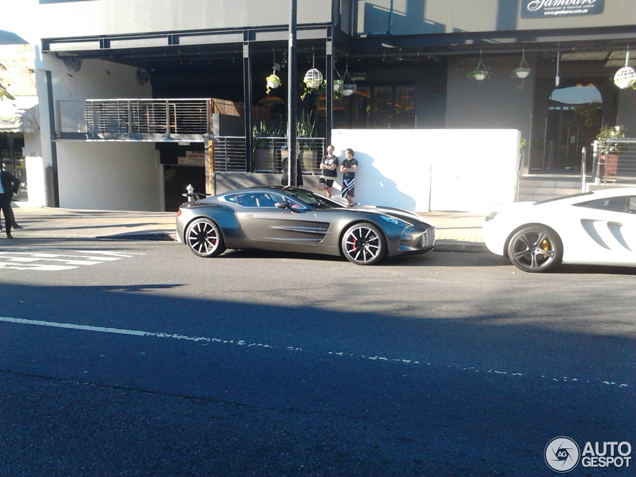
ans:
(631, 206)
(614, 204)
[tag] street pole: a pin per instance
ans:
(291, 97)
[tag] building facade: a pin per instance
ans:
(131, 93)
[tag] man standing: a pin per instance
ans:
(329, 171)
(348, 168)
(8, 186)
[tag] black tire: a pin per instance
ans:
(363, 244)
(535, 248)
(204, 238)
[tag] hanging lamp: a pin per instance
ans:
(348, 85)
(313, 77)
(523, 71)
(626, 76)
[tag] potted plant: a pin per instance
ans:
(609, 151)
(305, 128)
(263, 146)
(273, 82)
(480, 73)
(521, 73)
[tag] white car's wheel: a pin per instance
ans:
(204, 238)
(535, 248)
(363, 244)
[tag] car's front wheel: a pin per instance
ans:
(535, 248)
(363, 244)
(204, 238)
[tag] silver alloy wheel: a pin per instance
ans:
(363, 244)
(535, 248)
(204, 238)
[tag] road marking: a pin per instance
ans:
(153, 334)
(64, 260)
(121, 331)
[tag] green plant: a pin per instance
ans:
(3, 90)
(305, 127)
(606, 134)
(308, 90)
(479, 74)
(261, 133)
(272, 82)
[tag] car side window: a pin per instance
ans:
(613, 204)
(631, 205)
(262, 200)
(247, 200)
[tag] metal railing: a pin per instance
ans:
(269, 152)
(229, 154)
(182, 119)
(128, 118)
(615, 161)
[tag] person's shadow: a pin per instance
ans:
(374, 188)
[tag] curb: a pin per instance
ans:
(459, 246)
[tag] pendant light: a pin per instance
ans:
(626, 76)
(313, 77)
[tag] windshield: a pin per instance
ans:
(309, 198)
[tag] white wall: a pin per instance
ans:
(422, 170)
(109, 176)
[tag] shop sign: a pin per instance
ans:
(192, 159)
(560, 8)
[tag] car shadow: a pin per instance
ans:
(430, 259)
(593, 270)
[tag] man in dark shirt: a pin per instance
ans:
(348, 168)
(8, 186)
(328, 171)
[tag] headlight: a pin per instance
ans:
(395, 221)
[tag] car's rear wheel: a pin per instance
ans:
(204, 238)
(363, 244)
(535, 248)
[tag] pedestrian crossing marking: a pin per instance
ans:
(48, 261)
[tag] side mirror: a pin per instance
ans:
(286, 205)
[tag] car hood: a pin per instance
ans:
(402, 214)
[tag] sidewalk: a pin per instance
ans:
(455, 231)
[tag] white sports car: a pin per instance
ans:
(593, 228)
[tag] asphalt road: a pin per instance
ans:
(138, 358)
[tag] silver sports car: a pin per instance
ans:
(297, 220)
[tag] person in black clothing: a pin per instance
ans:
(9, 185)
(299, 172)
(348, 167)
(328, 171)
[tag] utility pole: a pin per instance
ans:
(291, 97)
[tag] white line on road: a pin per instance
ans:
(120, 331)
(65, 260)
(153, 334)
